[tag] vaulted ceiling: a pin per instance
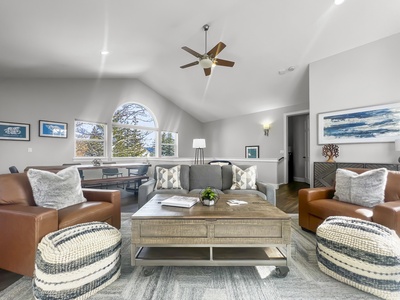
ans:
(64, 38)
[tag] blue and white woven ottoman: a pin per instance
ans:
(78, 261)
(362, 254)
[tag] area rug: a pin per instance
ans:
(304, 280)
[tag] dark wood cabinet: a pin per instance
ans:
(324, 172)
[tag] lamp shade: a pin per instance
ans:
(397, 145)
(199, 143)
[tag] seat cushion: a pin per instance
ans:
(329, 207)
(362, 254)
(244, 192)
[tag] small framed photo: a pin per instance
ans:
(15, 131)
(252, 151)
(53, 129)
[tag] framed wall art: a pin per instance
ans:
(53, 129)
(15, 131)
(252, 151)
(371, 124)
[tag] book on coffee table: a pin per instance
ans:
(180, 201)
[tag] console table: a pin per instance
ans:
(324, 172)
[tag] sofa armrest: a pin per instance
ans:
(311, 194)
(269, 190)
(388, 214)
(22, 229)
(144, 190)
(111, 196)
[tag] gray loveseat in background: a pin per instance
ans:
(197, 177)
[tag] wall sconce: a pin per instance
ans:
(199, 145)
(397, 147)
(266, 129)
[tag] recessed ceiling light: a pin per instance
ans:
(104, 52)
(338, 2)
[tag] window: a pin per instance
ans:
(169, 142)
(134, 132)
(90, 139)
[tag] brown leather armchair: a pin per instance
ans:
(316, 204)
(23, 224)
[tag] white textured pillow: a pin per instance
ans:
(168, 178)
(56, 190)
(244, 179)
(365, 189)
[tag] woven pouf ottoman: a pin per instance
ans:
(78, 261)
(362, 254)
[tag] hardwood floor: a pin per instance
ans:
(286, 200)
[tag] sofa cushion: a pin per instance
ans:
(244, 179)
(243, 192)
(227, 175)
(15, 189)
(168, 178)
(366, 189)
(202, 176)
(56, 190)
(184, 174)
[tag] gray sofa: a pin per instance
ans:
(197, 177)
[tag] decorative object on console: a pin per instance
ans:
(252, 151)
(11, 131)
(209, 196)
(96, 162)
(361, 125)
(56, 190)
(53, 129)
(330, 151)
(266, 129)
(199, 145)
(397, 147)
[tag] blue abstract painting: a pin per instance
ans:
(362, 125)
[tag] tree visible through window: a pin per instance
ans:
(134, 132)
(90, 139)
(168, 143)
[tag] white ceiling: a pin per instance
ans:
(63, 39)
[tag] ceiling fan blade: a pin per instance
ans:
(187, 49)
(223, 62)
(207, 71)
(217, 49)
(190, 65)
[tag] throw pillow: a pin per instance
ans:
(365, 189)
(244, 179)
(168, 178)
(56, 190)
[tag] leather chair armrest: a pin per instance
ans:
(111, 196)
(144, 190)
(388, 214)
(22, 229)
(269, 190)
(311, 194)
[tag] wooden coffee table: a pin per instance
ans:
(253, 234)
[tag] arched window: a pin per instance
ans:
(134, 131)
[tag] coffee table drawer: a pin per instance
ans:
(247, 231)
(165, 230)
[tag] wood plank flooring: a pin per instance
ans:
(286, 200)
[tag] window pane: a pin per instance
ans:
(129, 142)
(85, 130)
(168, 138)
(167, 150)
(133, 114)
(89, 149)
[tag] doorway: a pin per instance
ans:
(296, 147)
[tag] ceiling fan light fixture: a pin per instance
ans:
(206, 63)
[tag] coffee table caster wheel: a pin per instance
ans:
(149, 271)
(281, 272)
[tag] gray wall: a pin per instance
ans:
(64, 100)
(364, 76)
(228, 137)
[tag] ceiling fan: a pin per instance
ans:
(208, 59)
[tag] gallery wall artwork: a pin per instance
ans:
(252, 151)
(15, 131)
(360, 125)
(53, 129)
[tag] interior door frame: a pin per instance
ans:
(285, 140)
